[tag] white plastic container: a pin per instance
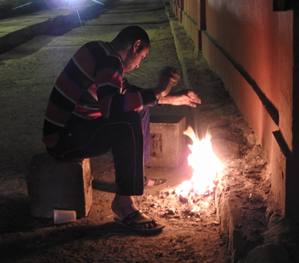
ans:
(64, 216)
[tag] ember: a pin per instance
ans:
(171, 205)
(206, 167)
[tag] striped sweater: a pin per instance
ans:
(91, 85)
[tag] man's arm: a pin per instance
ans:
(183, 97)
(169, 78)
(114, 96)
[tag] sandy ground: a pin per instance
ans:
(27, 74)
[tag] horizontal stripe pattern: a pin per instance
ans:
(87, 113)
(90, 86)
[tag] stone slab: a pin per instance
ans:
(59, 185)
(168, 143)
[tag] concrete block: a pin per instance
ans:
(168, 145)
(59, 185)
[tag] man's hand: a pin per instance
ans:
(183, 97)
(169, 78)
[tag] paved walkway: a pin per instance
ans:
(17, 30)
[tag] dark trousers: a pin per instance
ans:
(127, 136)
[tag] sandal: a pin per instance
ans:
(130, 223)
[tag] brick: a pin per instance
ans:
(167, 141)
(59, 185)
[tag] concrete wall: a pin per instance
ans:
(250, 47)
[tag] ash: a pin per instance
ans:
(171, 205)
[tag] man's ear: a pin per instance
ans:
(136, 45)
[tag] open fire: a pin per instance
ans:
(206, 168)
(195, 195)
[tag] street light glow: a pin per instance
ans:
(69, 4)
(65, 4)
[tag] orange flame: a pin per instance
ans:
(206, 167)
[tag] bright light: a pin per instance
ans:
(206, 167)
(65, 4)
(69, 4)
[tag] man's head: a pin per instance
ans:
(133, 44)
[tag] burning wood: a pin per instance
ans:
(206, 168)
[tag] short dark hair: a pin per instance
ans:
(131, 34)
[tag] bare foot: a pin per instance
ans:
(150, 183)
(124, 206)
(154, 182)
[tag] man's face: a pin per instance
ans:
(133, 58)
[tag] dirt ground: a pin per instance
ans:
(27, 74)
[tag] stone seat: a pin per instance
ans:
(55, 185)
